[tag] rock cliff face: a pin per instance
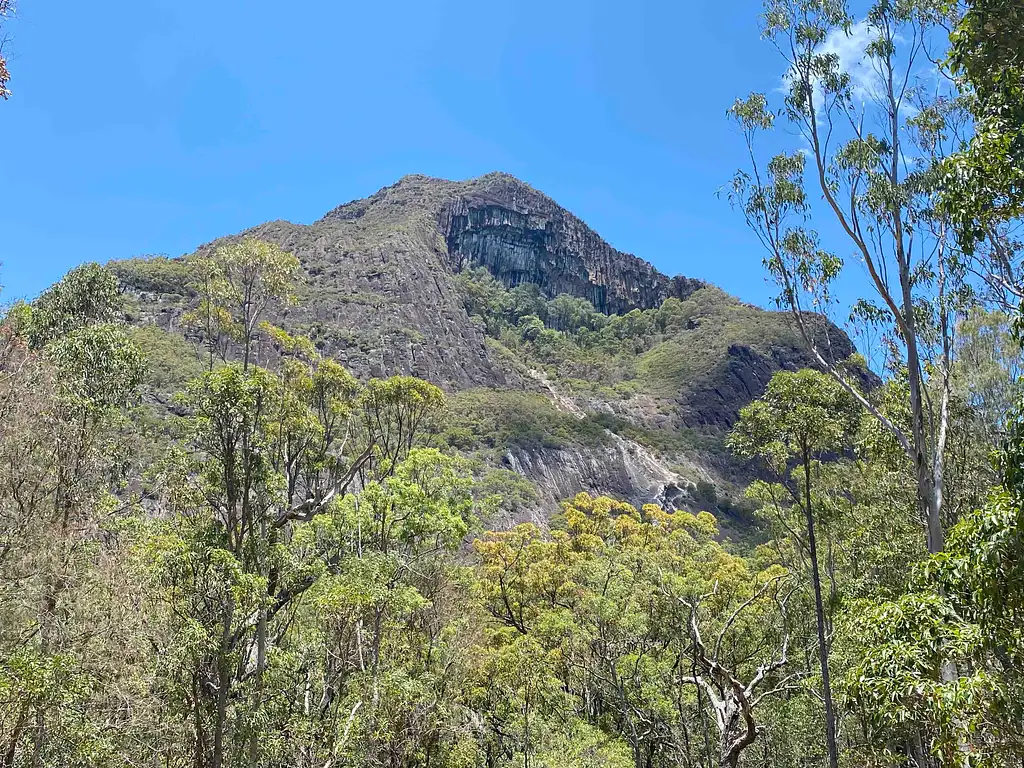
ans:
(386, 305)
(522, 236)
(741, 377)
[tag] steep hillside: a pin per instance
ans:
(575, 364)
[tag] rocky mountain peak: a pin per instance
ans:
(381, 293)
(519, 234)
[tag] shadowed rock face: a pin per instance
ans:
(743, 376)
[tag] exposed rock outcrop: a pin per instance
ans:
(522, 236)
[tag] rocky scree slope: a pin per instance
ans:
(380, 293)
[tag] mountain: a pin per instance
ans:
(630, 392)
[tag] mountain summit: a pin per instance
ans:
(521, 236)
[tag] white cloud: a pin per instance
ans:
(850, 47)
(865, 82)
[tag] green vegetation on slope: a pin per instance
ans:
(665, 351)
(155, 274)
(498, 420)
(171, 360)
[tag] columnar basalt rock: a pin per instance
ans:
(522, 236)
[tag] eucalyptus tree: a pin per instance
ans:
(989, 372)
(637, 622)
(802, 419)
(871, 134)
(265, 454)
(237, 284)
(269, 453)
(735, 698)
(983, 183)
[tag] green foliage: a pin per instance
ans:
(155, 274)
(68, 378)
(265, 525)
(667, 441)
(501, 309)
(498, 420)
(599, 611)
(170, 360)
(804, 414)
(667, 352)
(237, 283)
(934, 660)
(508, 491)
(880, 191)
(983, 183)
(940, 661)
(99, 366)
(714, 322)
(87, 294)
(989, 369)
(801, 418)
(572, 313)
(57, 683)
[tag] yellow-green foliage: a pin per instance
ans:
(171, 361)
(154, 274)
(598, 610)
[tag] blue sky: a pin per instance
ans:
(153, 126)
